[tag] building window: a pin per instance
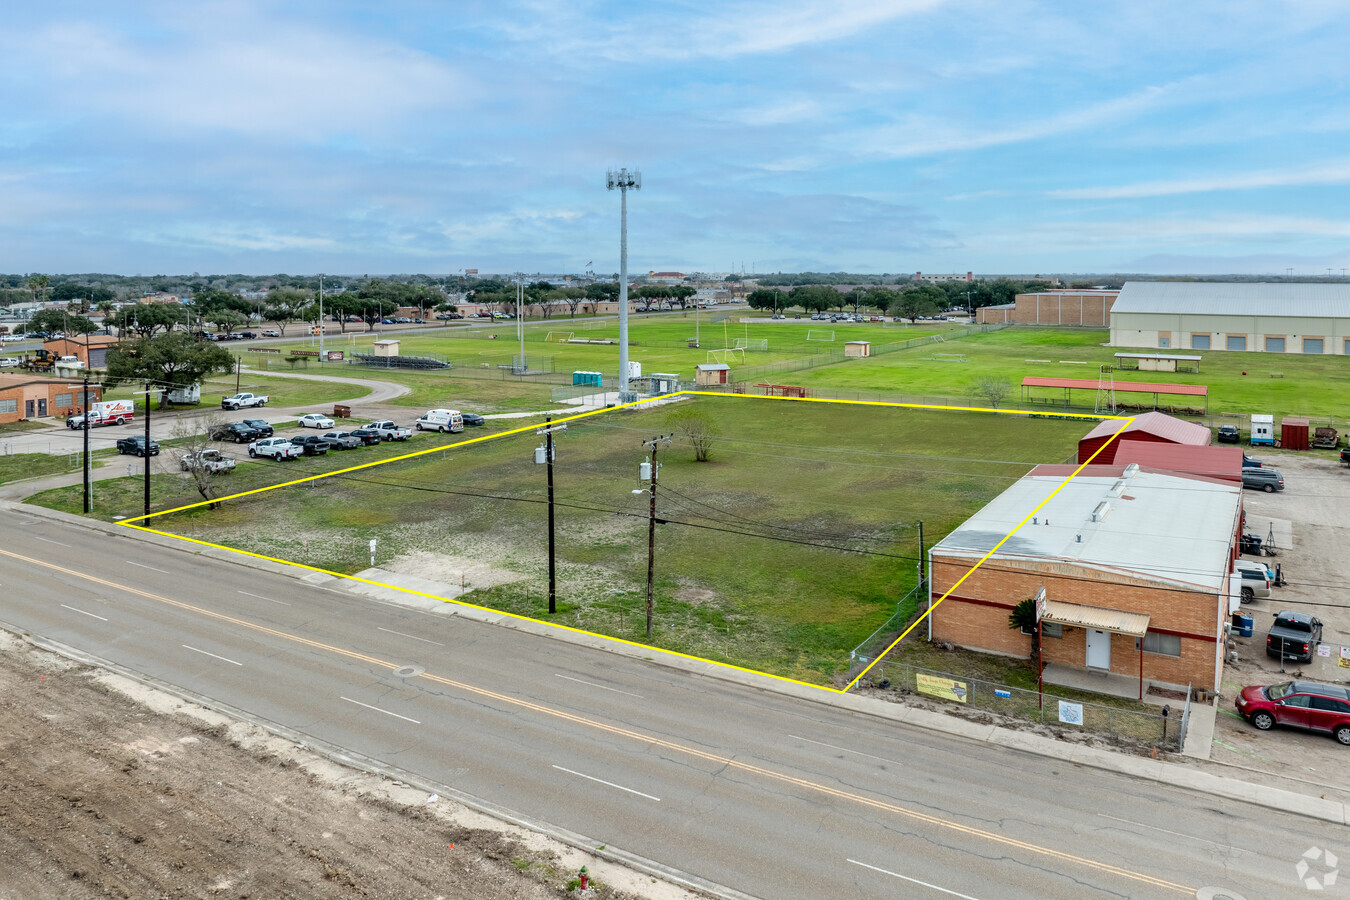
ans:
(9, 406)
(1199, 342)
(1162, 644)
(1274, 345)
(1048, 629)
(1166, 342)
(1312, 345)
(1347, 347)
(1237, 342)
(63, 400)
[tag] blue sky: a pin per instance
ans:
(1007, 136)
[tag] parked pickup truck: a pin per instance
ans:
(388, 431)
(1294, 635)
(276, 447)
(243, 401)
(212, 461)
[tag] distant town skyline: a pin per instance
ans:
(915, 135)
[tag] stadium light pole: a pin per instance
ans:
(623, 180)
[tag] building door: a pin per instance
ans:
(42, 406)
(1098, 649)
(28, 409)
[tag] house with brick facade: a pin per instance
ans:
(1136, 565)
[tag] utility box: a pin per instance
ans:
(665, 382)
(1263, 431)
(634, 369)
(1294, 434)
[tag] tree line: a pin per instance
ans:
(907, 301)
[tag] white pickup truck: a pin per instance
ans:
(388, 431)
(278, 448)
(212, 461)
(243, 401)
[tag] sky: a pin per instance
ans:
(1008, 136)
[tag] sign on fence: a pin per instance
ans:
(335, 356)
(304, 353)
(263, 350)
(1070, 713)
(1345, 657)
(1002, 694)
(944, 688)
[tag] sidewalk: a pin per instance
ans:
(1193, 774)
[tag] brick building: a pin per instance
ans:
(1136, 565)
(30, 397)
(92, 349)
(1087, 308)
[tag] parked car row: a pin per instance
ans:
(282, 448)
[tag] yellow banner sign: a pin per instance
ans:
(946, 688)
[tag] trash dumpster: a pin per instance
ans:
(1242, 625)
(341, 412)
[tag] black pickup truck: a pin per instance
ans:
(1294, 635)
(1345, 455)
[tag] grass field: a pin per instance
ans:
(33, 465)
(783, 552)
(1310, 385)
(283, 391)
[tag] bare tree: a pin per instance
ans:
(696, 427)
(193, 440)
(993, 389)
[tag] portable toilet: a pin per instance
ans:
(1294, 433)
(1263, 431)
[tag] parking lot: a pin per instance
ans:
(1311, 523)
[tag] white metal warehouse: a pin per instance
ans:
(1269, 318)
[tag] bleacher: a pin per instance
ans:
(400, 362)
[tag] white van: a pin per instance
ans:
(441, 420)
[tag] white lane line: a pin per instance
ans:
(412, 636)
(212, 655)
(82, 612)
(261, 597)
(151, 568)
(844, 749)
(49, 541)
(600, 686)
(1165, 831)
(911, 880)
(385, 711)
(609, 783)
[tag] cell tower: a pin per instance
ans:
(623, 180)
(1106, 390)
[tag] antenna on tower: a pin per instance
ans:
(1106, 390)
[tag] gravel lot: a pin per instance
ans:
(1311, 521)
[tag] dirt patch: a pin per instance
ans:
(103, 795)
(470, 573)
(695, 595)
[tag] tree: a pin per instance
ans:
(572, 297)
(766, 298)
(1023, 619)
(68, 323)
(917, 303)
(223, 318)
(146, 319)
(696, 427)
(37, 285)
(682, 294)
(814, 297)
(650, 293)
(993, 390)
(173, 360)
(192, 436)
(286, 305)
(602, 290)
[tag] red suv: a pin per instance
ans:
(1300, 704)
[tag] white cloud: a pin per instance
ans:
(1331, 173)
(1167, 231)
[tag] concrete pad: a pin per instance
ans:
(1200, 731)
(1262, 525)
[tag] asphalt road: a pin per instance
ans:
(763, 793)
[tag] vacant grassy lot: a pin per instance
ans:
(782, 553)
(1310, 385)
(32, 465)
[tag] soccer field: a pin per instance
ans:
(783, 552)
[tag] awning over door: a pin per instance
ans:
(1112, 620)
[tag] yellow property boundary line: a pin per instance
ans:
(1124, 420)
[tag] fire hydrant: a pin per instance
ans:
(585, 878)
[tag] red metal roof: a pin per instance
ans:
(1169, 428)
(1214, 461)
(1127, 387)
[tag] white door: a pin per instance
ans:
(1098, 649)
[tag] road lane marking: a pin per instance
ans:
(377, 709)
(260, 597)
(49, 541)
(913, 880)
(1165, 831)
(600, 686)
(609, 783)
(844, 749)
(639, 737)
(212, 655)
(144, 566)
(413, 636)
(82, 612)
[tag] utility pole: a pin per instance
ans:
(649, 471)
(547, 452)
(623, 180)
(147, 392)
(323, 329)
(88, 495)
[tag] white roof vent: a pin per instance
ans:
(1132, 470)
(1102, 511)
(1118, 488)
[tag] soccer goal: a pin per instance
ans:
(558, 337)
(726, 356)
(761, 344)
(820, 334)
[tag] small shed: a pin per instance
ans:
(386, 348)
(1294, 433)
(1150, 426)
(1263, 430)
(857, 348)
(711, 373)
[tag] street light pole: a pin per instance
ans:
(623, 180)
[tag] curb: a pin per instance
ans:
(1153, 770)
